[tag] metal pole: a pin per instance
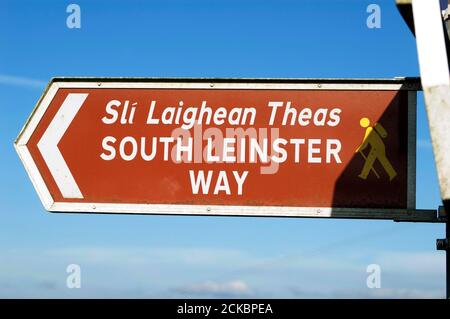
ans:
(424, 19)
(446, 20)
(447, 202)
(443, 244)
(447, 253)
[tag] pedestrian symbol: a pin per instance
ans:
(374, 137)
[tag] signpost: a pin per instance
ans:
(425, 19)
(292, 147)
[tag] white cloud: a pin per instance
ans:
(381, 293)
(402, 293)
(416, 262)
(22, 81)
(234, 288)
(167, 272)
(150, 255)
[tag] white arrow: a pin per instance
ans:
(48, 145)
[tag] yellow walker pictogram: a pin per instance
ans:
(374, 137)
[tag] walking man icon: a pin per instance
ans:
(374, 137)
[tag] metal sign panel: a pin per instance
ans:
(306, 148)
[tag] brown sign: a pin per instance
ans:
(281, 148)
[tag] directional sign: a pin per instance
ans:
(319, 148)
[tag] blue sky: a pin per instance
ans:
(169, 256)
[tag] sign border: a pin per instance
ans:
(412, 85)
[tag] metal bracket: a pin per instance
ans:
(442, 244)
